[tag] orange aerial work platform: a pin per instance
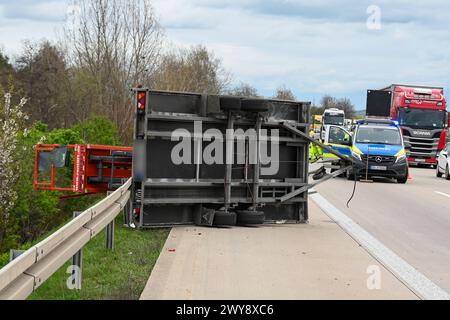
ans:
(96, 168)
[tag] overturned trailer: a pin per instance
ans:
(218, 160)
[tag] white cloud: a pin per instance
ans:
(29, 20)
(51, 10)
(313, 47)
(318, 47)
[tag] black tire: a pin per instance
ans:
(248, 217)
(319, 173)
(230, 103)
(402, 180)
(438, 173)
(447, 174)
(255, 105)
(222, 218)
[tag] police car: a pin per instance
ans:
(376, 146)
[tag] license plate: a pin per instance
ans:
(419, 160)
(378, 168)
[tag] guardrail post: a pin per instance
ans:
(110, 232)
(110, 235)
(127, 213)
(13, 254)
(77, 262)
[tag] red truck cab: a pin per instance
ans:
(421, 113)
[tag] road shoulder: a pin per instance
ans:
(317, 260)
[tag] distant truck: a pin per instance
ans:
(317, 122)
(333, 117)
(421, 114)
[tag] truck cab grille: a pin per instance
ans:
(422, 146)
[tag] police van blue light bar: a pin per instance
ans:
(375, 121)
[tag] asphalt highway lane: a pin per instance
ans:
(411, 219)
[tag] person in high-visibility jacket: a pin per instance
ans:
(315, 152)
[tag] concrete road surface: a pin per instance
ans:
(308, 261)
(413, 219)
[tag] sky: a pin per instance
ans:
(341, 48)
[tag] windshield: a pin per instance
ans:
(422, 118)
(378, 135)
(333, 119)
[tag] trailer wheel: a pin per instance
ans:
(222, 218)
(248, 217)
(255, 105)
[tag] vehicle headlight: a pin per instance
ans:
(401, 158)
(356, 155)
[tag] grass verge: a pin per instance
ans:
(118, 274)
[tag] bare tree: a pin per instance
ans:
(118, 43)
(348, 107)
(191, 70)
(316, 110)
(342, 104)
(244, 90)
(328, 102)
(284, 93)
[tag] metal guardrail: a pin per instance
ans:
(23, 275)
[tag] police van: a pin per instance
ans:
(377, 147)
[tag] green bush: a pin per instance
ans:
(98, 130)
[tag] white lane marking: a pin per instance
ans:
(443, 194)
(416, 281)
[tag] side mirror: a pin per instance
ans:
(407, 145)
